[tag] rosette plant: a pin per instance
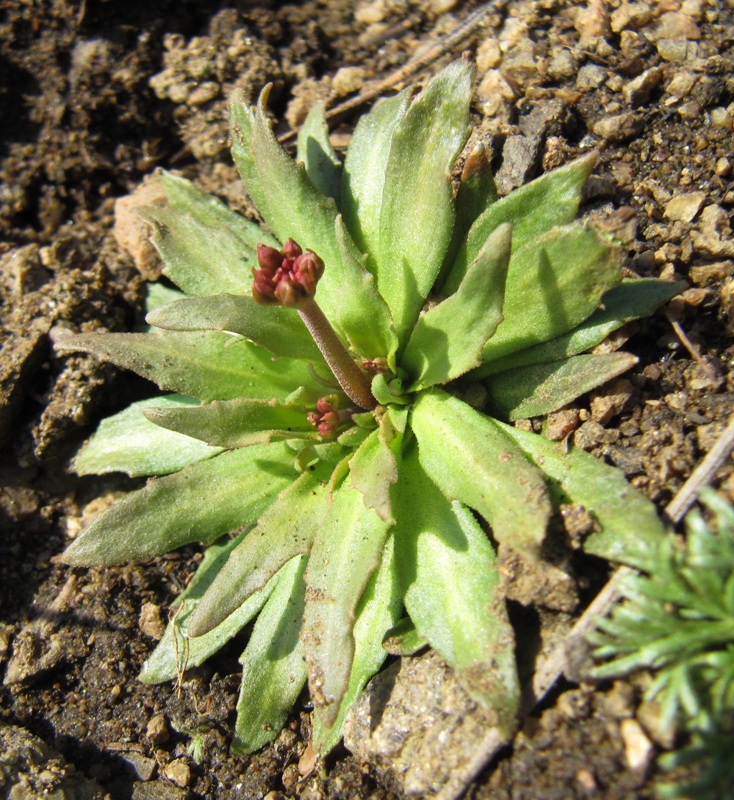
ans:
(343, 379)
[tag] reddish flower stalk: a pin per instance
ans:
(288, 277)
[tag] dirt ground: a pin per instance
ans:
(96, 96)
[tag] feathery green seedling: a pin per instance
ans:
(678, 621)
(328, 373)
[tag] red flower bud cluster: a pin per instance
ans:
(286, 277)
(326, 418)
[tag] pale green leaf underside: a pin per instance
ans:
(532, 210)
(128, 442)
(284, 531)
(553, 285)
(447, 572)
(208, 365)
(449, 338)
(347, 549)
(629, 524)
(469, 457)
(198, 504)
(157, 294)
(315, 152)
(237, 423)
(417, 214)
(542, 388)
(177, 652)
(273, 672)
(628, 301)
(278, 330)
(363, 179)
(378, 611)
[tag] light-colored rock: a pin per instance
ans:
(638, 748)
(618, 127)
(590, 76)
(684, 207)
(637, 91)
(348, 80)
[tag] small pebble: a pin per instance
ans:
(618, 128)
(178, 772)
(157, 729)
(684, 207)
(638, 748)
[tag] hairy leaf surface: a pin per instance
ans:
(198, 504)
(470, 458)
(128, 442)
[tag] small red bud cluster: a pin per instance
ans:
(326, 419)
(286, 277)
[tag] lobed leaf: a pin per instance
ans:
(378, 610)
(237, 423)
(273, 672)
(208, 365)
(628, 301)
(553, 285)
(532, 210)
(315, 152)
(284, 531)
(346, 551)
(176, 652)
(128, 442)
(449, 580)
(471, 459)
(198, 504)
(449, 338)
(542, 388)
(278, 330)
(629, 524)
(417, 212)
(363, 178)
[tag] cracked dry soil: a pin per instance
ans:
(93, 98)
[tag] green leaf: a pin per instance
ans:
(346, 551)
(322, 163)
(477, 191)
(448, 576)
(156, 294)
(206, 247)
(237, 423)
(208, 365)
(553, 285)
(363, 179)
(403, 639)
(366, 322)
(542, 388)
(449, 338)
(533, 210)
(128, 442)
(185, 198)
(273, 672)
(285, 530)
(471, 459)
(198, 504)
(278, 330)
(629, 524)
(374, 468)
(287, 199)
(176, 651)
(379, 609)
(417, 214)
(628, 301)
